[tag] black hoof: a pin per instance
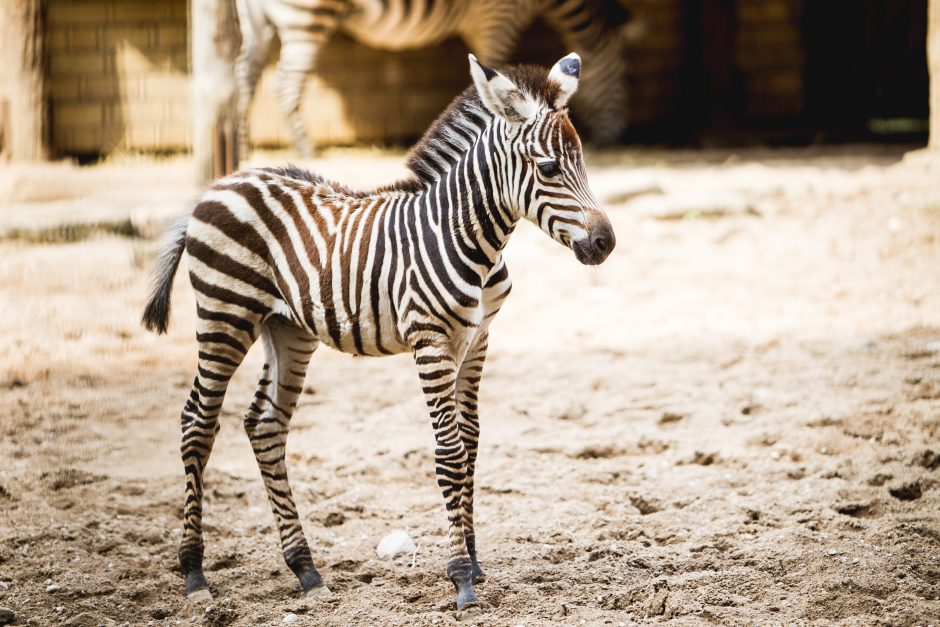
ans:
(197, 588)
(466, 596)
(310, 579)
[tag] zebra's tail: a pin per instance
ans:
(157, 312)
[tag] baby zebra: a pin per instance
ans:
(416, 266)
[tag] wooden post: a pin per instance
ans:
(215, 39)
(933, 66)
(23, 114)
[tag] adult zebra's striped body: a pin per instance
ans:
(490, 28)
(416, 266)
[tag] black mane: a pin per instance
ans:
(449, 137)
(296, 172)
(455, 130)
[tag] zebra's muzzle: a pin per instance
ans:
(596, 246)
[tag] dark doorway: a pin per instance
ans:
(866, 70)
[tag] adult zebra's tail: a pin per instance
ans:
(157, 312)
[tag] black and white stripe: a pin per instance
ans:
(490, 28)
(417, 266)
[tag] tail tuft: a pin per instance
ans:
(157, 312)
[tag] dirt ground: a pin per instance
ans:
(734, 420)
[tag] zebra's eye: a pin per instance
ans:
(549, 168)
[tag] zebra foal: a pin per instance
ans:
(287, 256)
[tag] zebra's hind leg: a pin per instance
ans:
(438, 373)
(257, 36)
(288, 350)
(222, 347)
(298, 58)
(468, 422)
(602, 99)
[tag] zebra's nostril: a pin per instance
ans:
(602, 240)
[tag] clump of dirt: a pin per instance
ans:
(908, 491)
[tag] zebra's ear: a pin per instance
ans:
(566, 73)
(500, 95)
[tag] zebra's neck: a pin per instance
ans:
(470, 205)
(449, 138)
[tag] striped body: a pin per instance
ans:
(353, 270)
(490, 28)
(417, 266)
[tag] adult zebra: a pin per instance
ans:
(490, 28)
(417, 266)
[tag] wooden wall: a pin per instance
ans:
(656, 55)
(363, 95)
(118, 75)
(769, 51)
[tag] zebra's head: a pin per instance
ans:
(541, 152)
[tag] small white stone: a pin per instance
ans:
(53, 587)
(395, 543)
(290, 617)
(833, 552)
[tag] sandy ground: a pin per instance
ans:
(735, 420)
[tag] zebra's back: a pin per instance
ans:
(288, 243)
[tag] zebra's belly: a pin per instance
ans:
(395, 40)
(357, 333)
(417, 24)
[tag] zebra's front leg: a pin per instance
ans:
(288, 350)
(438, 372)
(468, 421)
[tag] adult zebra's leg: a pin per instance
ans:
(468, 422)
(438, 373)
(602, 98)
(257, 35)
(248, 66)
(491, 30)
(287, 351)
(298, 58)
(223, 342)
